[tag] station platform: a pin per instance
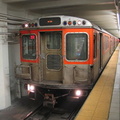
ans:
(103, 103)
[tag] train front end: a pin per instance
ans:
(55, 55)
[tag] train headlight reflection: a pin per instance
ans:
(31, 88)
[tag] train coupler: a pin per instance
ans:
(49, 100)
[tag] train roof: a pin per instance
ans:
(65, 22)
(61, 21)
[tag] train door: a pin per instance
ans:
(51, 55)
(99, 36)
(110, 45)
(101, 51)
(97, 54)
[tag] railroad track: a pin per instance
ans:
(73, 113)
(47, 113)
(32, 113)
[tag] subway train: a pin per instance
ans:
(62, 55)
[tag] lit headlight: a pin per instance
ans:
(78, 93)
(26, 25)
(31, 88)
(79, 22)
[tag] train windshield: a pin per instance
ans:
(29, 46)
(76, 46)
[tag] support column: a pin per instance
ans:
(5, 100)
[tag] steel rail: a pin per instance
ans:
(33, 112)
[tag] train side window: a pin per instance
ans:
(29, 46)
(76, 46)
(95, 47)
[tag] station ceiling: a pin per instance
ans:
(104, 13)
